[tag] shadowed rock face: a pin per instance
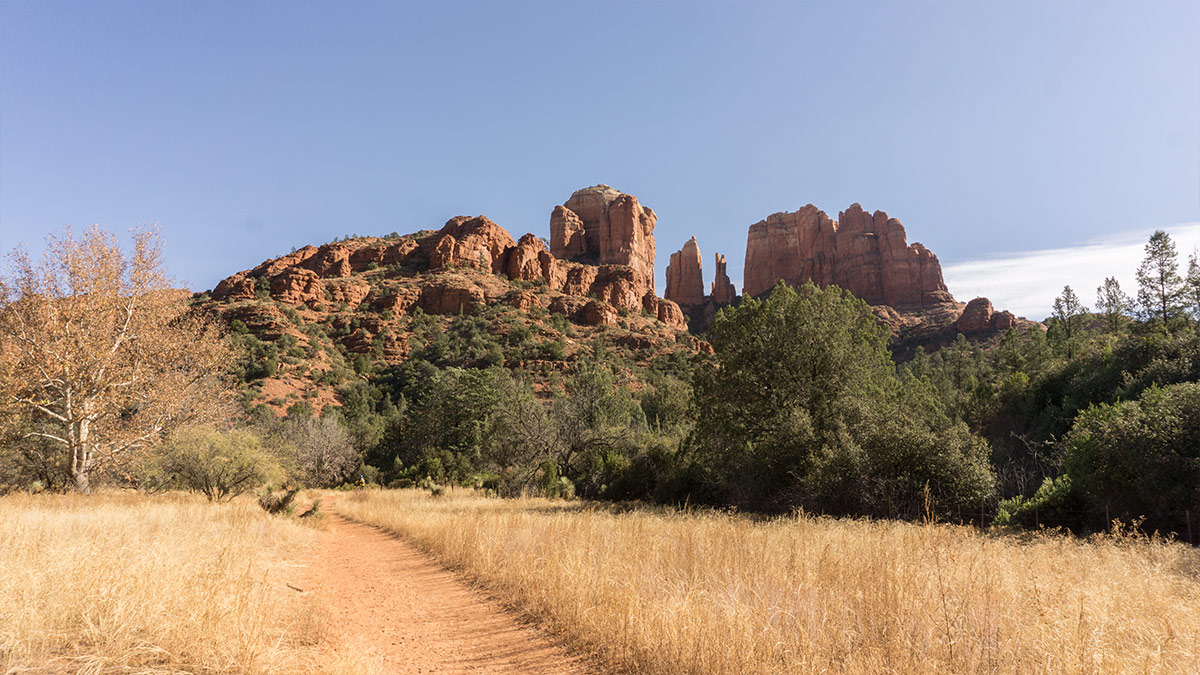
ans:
(685, 281)
(600, 224)
(867, 254)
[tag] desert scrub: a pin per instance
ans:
(658, 591)
(126, 582)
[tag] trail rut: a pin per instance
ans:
(392, 601)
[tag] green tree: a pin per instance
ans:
(219, 465)
(1140, 458)
(1191, 292)
(1113, 303)
(800, 406)
(1160, 288)
(1067, 321)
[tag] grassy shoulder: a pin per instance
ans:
(169, 583)
(661, 591)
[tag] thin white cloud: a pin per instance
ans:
(1027, 283)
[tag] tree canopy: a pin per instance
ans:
(99, 355)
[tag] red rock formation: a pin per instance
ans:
(723, 291)
(297, 286)
(352, 294)
(979, 317)
(867, 254)
(475, 242)
(685, 279)
(670, 314)
(1002, 321)
(622, 232)
(566, 234)
(597, 313)
(524, 300)
(396, 300)
(665, 311)
(976, 318)
(271, 268)
(451, 298)
(330, 261)
(530, 261)
(237, 287)
(607, 224)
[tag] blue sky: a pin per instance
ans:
(247, 128)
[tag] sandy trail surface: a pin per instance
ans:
(393, 603)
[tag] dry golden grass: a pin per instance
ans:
(130, 583)
(663, 592)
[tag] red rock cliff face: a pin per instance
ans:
(685, 280)
(606, 226)
(867, 254)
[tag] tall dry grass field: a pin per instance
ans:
(134, 583)
(662, 592)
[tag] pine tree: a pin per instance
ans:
(1160, 288)
(1067, 320)
(1191, 291)
(1113, 303)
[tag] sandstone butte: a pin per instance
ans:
(867, 254)
(612, 225)
(685, 281)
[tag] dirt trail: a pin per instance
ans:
(392, 601)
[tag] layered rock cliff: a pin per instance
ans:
(867, 254)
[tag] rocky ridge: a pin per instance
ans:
(362, 297)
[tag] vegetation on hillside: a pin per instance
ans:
(800, 406)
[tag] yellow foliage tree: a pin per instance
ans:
(99, 354)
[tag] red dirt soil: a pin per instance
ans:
(394, 602)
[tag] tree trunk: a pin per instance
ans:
(81, 457)
(81, 481)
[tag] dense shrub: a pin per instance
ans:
(801, 407)
(219, 465)
(1140, 458)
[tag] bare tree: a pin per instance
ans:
(322, 451)
(99, 353)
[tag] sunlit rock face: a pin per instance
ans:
(867, 254)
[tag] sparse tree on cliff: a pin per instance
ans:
(1160, 288)
(98, 354)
